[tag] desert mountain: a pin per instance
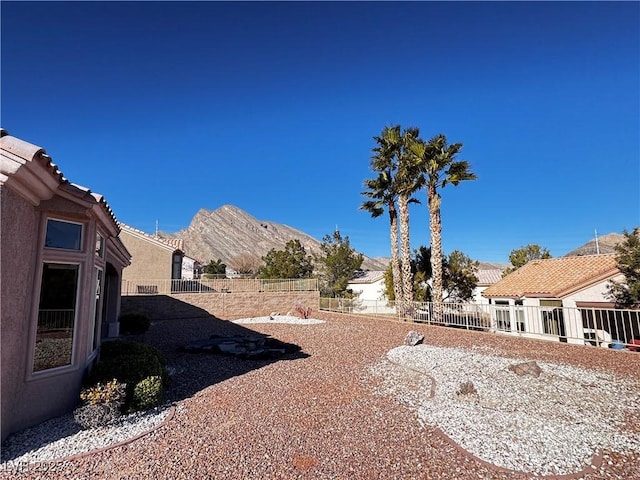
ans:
(227, 232)
(606, 244)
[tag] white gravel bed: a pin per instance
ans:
(548, 425)
(62, 437)
(279, 319)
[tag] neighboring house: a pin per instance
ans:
(564, 297)
(368, 285)
(62, 264)
(154, 259)
(486, 278)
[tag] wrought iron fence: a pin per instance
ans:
(611, 328)
(217, 285)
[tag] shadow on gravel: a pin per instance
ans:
(192, 370)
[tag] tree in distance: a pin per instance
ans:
(459, 276)
(292, 262)
(337, 265)
(521, 256)
(215, 268)
(246, 264)
(627, 294)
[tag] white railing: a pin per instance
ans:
(612, 328)
(217, 285)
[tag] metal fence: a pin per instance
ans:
(217, 285)
(58, 319)
(611, 328)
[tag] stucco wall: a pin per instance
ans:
(228, 306)
(19, 221)
(29, 398)
(369, 291)
(148, 261)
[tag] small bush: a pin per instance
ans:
(101, 406)
(147, 393)
(467, 388)
(130, 363)
(304, 312)
(134, 324)
(99, 415)
(111, 392)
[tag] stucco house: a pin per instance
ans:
(369, 285)
(154, 260)
(486, 278)
(563, 297)
(61, 271)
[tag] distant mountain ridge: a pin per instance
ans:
(606, 244)
(229, 231)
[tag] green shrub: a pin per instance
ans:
(134, 324)
(128, 362)
(147, 393)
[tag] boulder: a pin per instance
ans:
(413, 338)
(526, 368)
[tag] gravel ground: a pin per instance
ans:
(330, 413)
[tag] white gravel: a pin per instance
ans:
(548, 425)
(62, 437)
(279, 319)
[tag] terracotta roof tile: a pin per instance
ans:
(22, 153)
(174, 243)
(554, 277)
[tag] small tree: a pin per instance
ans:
(215, 268)
(292, 262)
(338, 263)
(246, 264)
(520, 256)
(627, 294)
(458, 276)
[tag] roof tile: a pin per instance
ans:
(554, 277)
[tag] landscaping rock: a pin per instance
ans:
(241, 346)
(413, 338)
(526, 368)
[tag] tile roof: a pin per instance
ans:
(554, 277)
(368, 276)
(172, 243)
(489, 276)
(28, 165)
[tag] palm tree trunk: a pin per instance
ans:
(435, 226)
(395, 262)
(405, 247)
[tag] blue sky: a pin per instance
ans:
(166, 108)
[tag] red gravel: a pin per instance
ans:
(313, 416)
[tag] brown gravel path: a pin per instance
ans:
(314, 416)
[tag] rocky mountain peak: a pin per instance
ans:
(228, 232)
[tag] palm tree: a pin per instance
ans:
(437, 162)
(382, 194)
(408, 180)
(396, 182)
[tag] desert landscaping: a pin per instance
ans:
(356, 402)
